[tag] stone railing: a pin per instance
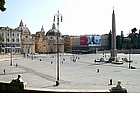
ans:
(11, 88)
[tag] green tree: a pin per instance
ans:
(0, 42)
(139, 39)
(2, 4)
(118, 42)
(1, 38)
(109, 40)
(127, 43)
(134, 30)
(122, 40)
(134, 36)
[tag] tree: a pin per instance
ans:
(134, 30)
(127, 43)
(1, 38)
(122, 40)
(109, 40)
(139, 39)
(2, 4)
(134, 36)
(0, 42)
(118, 42)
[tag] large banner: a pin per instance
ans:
(93, 40)
(83, 41)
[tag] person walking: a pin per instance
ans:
(98, 70)
(4, 71)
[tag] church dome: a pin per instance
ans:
(53, 31)
(23, 28)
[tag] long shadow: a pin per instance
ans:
(13, 73)
(42, 75)
(111, 65)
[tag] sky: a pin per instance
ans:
(79, 16)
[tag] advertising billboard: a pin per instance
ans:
(83, 41)
(94, 40)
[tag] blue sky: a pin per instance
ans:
(79, 17)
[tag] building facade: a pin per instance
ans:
(75, 44)
(40, 41)
(27, 40)
(105, 41)
(67, 46)
(18, 40)
(55, 40)
(11, 40)
(85, 43)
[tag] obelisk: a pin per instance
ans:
(113, 38)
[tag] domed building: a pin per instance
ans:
(27, 41)
(52, 35)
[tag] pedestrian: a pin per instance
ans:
(4, 71)
(98, 70)
(110, 82)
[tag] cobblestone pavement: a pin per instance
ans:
(81, 74)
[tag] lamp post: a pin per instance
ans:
(11, 49)
(11, 57)
(58, 15)
(130, 51)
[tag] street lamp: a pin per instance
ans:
(11, 49)
(129, 55)
(11, 57)
(58, 34)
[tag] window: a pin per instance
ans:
(17, 40)
(2, 34)
(13, 40)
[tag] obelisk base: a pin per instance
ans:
(113, 55)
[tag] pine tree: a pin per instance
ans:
(2, 4)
